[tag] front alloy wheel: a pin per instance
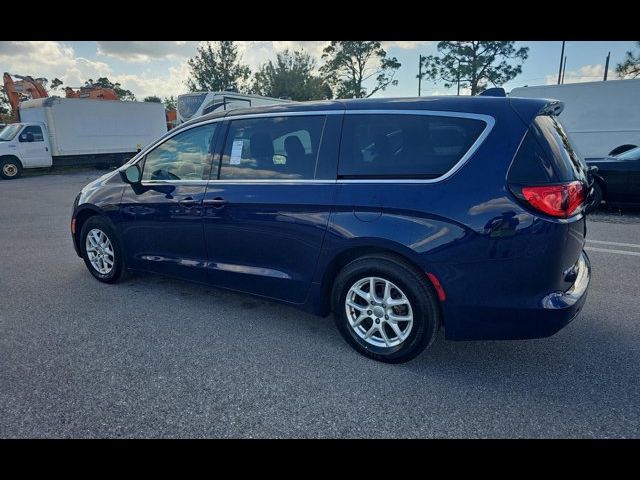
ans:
(100, 251)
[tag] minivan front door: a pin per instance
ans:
(162, 216)
(266, 216)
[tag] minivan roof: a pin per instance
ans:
(475, 104)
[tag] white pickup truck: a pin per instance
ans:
(68, 131)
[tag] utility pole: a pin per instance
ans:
(606, 67)
(564, 68)
(458, 77)
(561, 58)
(420, 57)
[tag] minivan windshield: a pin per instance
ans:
(9, 132)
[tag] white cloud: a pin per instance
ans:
(586, 73)
(405, 45)
(50, 60)
(149, 83)
(141, 51)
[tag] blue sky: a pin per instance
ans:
(160, 68)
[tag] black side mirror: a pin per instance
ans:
(131, 174)
(26, 137)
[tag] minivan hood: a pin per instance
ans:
(100, 180)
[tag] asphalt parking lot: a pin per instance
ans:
(157, 357)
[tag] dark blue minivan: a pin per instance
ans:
(399, 216)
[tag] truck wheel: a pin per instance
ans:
(10, 168)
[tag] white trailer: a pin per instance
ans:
(602, 118)
(75, 131)
(192, 105)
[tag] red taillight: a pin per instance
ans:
(73, 226)
(556, 200)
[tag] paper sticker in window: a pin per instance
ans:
(236, 152)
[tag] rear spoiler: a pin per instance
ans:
(529, 108)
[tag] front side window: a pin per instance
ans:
(35, 130)
(404, 146)
(185, 156)
(632, 154)
(272, 148)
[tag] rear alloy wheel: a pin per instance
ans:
(385, 308)
(379, 312)
(10, 169)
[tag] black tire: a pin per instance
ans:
(118, 271)
(596, 200)
(420, 293)
(10, 168)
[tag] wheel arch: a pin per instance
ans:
(12, 157)
(82, 215)
(353, 252)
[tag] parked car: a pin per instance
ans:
(617, 180)
(400, 216)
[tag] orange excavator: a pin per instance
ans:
(24, 89)
(96, 93)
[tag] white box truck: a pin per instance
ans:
(76, 131)
(602, 118)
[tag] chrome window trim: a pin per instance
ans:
(488, 119)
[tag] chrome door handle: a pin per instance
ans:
(217, 202)
(188, 202)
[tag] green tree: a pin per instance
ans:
(217, 67)
(170, 103)
(630, 68)
(55, 84)
(475, 64)
(152, 98)
(291, 76)
(348, 65)
(4, 103)
(104, 82)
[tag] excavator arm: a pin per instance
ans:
(25, 88)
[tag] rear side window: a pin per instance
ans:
(546, 155)
(272, 148)
(404, 146)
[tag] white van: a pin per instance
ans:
(602, 118)
(192, 105)
(73, 131)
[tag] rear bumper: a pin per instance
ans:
(550, 314)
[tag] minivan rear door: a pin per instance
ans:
(266, 209)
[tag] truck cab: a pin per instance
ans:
(23, 145)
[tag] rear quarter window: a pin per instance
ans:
(546, 155)
(404, 145)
